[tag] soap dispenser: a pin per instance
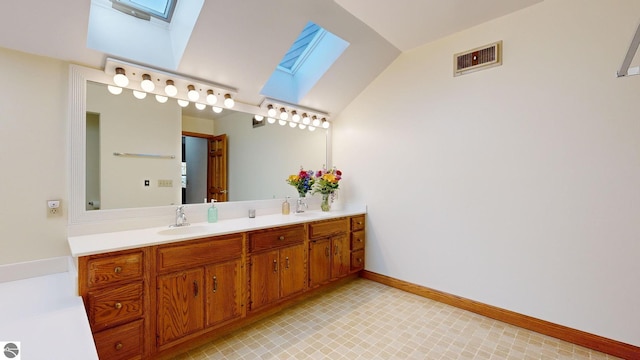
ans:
(212, 215)
(286, 207)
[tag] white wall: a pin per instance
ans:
(517, 186)
(33, 130)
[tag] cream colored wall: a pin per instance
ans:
(197, 125)
(515, 186)
(33, 133)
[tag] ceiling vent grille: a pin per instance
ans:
(476, 59)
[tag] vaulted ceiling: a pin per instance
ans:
(240, 43)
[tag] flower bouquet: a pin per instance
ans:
(326, 183)
(303, 181)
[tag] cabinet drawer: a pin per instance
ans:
(357, 260)
(357, 223)
(122, 342)
(115, 306)
(357, 240)
(189, 254)
(328, 228)
(114, 268)
(275, 238)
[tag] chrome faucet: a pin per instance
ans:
(181, 218)
(301, 205)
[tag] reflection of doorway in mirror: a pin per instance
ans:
(92, 194)
(194, 158)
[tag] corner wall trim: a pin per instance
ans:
(578, 337)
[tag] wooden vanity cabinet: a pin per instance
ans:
(277, 265)
(114, 288)
(357, 235)
(329, 251)
(199, 285)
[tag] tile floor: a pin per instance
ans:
(366, 320)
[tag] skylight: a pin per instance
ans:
(160, 9)
(310, 56)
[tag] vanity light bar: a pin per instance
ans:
(183, 83)
(294, 113)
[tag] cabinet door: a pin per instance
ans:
(265, 279)
(293, 274)
(341, 256)
(180, 304)
(224, 296)
(319, 261)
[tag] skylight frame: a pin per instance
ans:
(305, 53)
(138, 8)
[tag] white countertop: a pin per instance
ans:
(45, 316)
(122, 240)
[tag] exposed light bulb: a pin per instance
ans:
(284, 115)
(325, 123)
(271, 112)
(161, 99)
(305, 119)
(216, 109)
(146, 84)
(258, 117)
(211, 97)
(295, 116)
(115, 90)
(271, 120)
(120, 78)
(315, 121)
(200, 106)
(228, 101)
(183, 103)
(171, 90)
(139, 94)
(193, 95)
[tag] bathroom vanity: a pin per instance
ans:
(152, 293)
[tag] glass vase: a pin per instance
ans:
(325, 205)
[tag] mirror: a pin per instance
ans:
(259, 158)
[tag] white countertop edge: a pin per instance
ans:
(130, 239)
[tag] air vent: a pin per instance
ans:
(476, 59)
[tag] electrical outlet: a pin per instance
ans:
(165, 183)
(53, 208)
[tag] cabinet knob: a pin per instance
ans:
(117, 270)
(281, 237)
(119, 346)
(118, 305)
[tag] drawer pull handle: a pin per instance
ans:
(287, 258)
(359, 222)
(118, 305)
(359, 260)
(195, 288)
(275, 265)
(359, 240)
(119, 346)
(215, 283)
(117, 270)
(281, 237)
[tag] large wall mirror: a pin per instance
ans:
(106, 186)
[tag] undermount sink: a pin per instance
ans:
(183, 230)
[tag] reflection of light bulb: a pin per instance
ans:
(292, 124)
(193, 95)
(312, 128)
(282, 122)
(161, 99)
(139, 94)
(228, 101)
(146, 84)
(211, 97)
(259, 117)
(170, 89)
(200, 106)
(216, 109)
(271, 120)
(295, 116)
(183, 103)
(271, 112)
(302, 126)
(114, 89)
(120, 78)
